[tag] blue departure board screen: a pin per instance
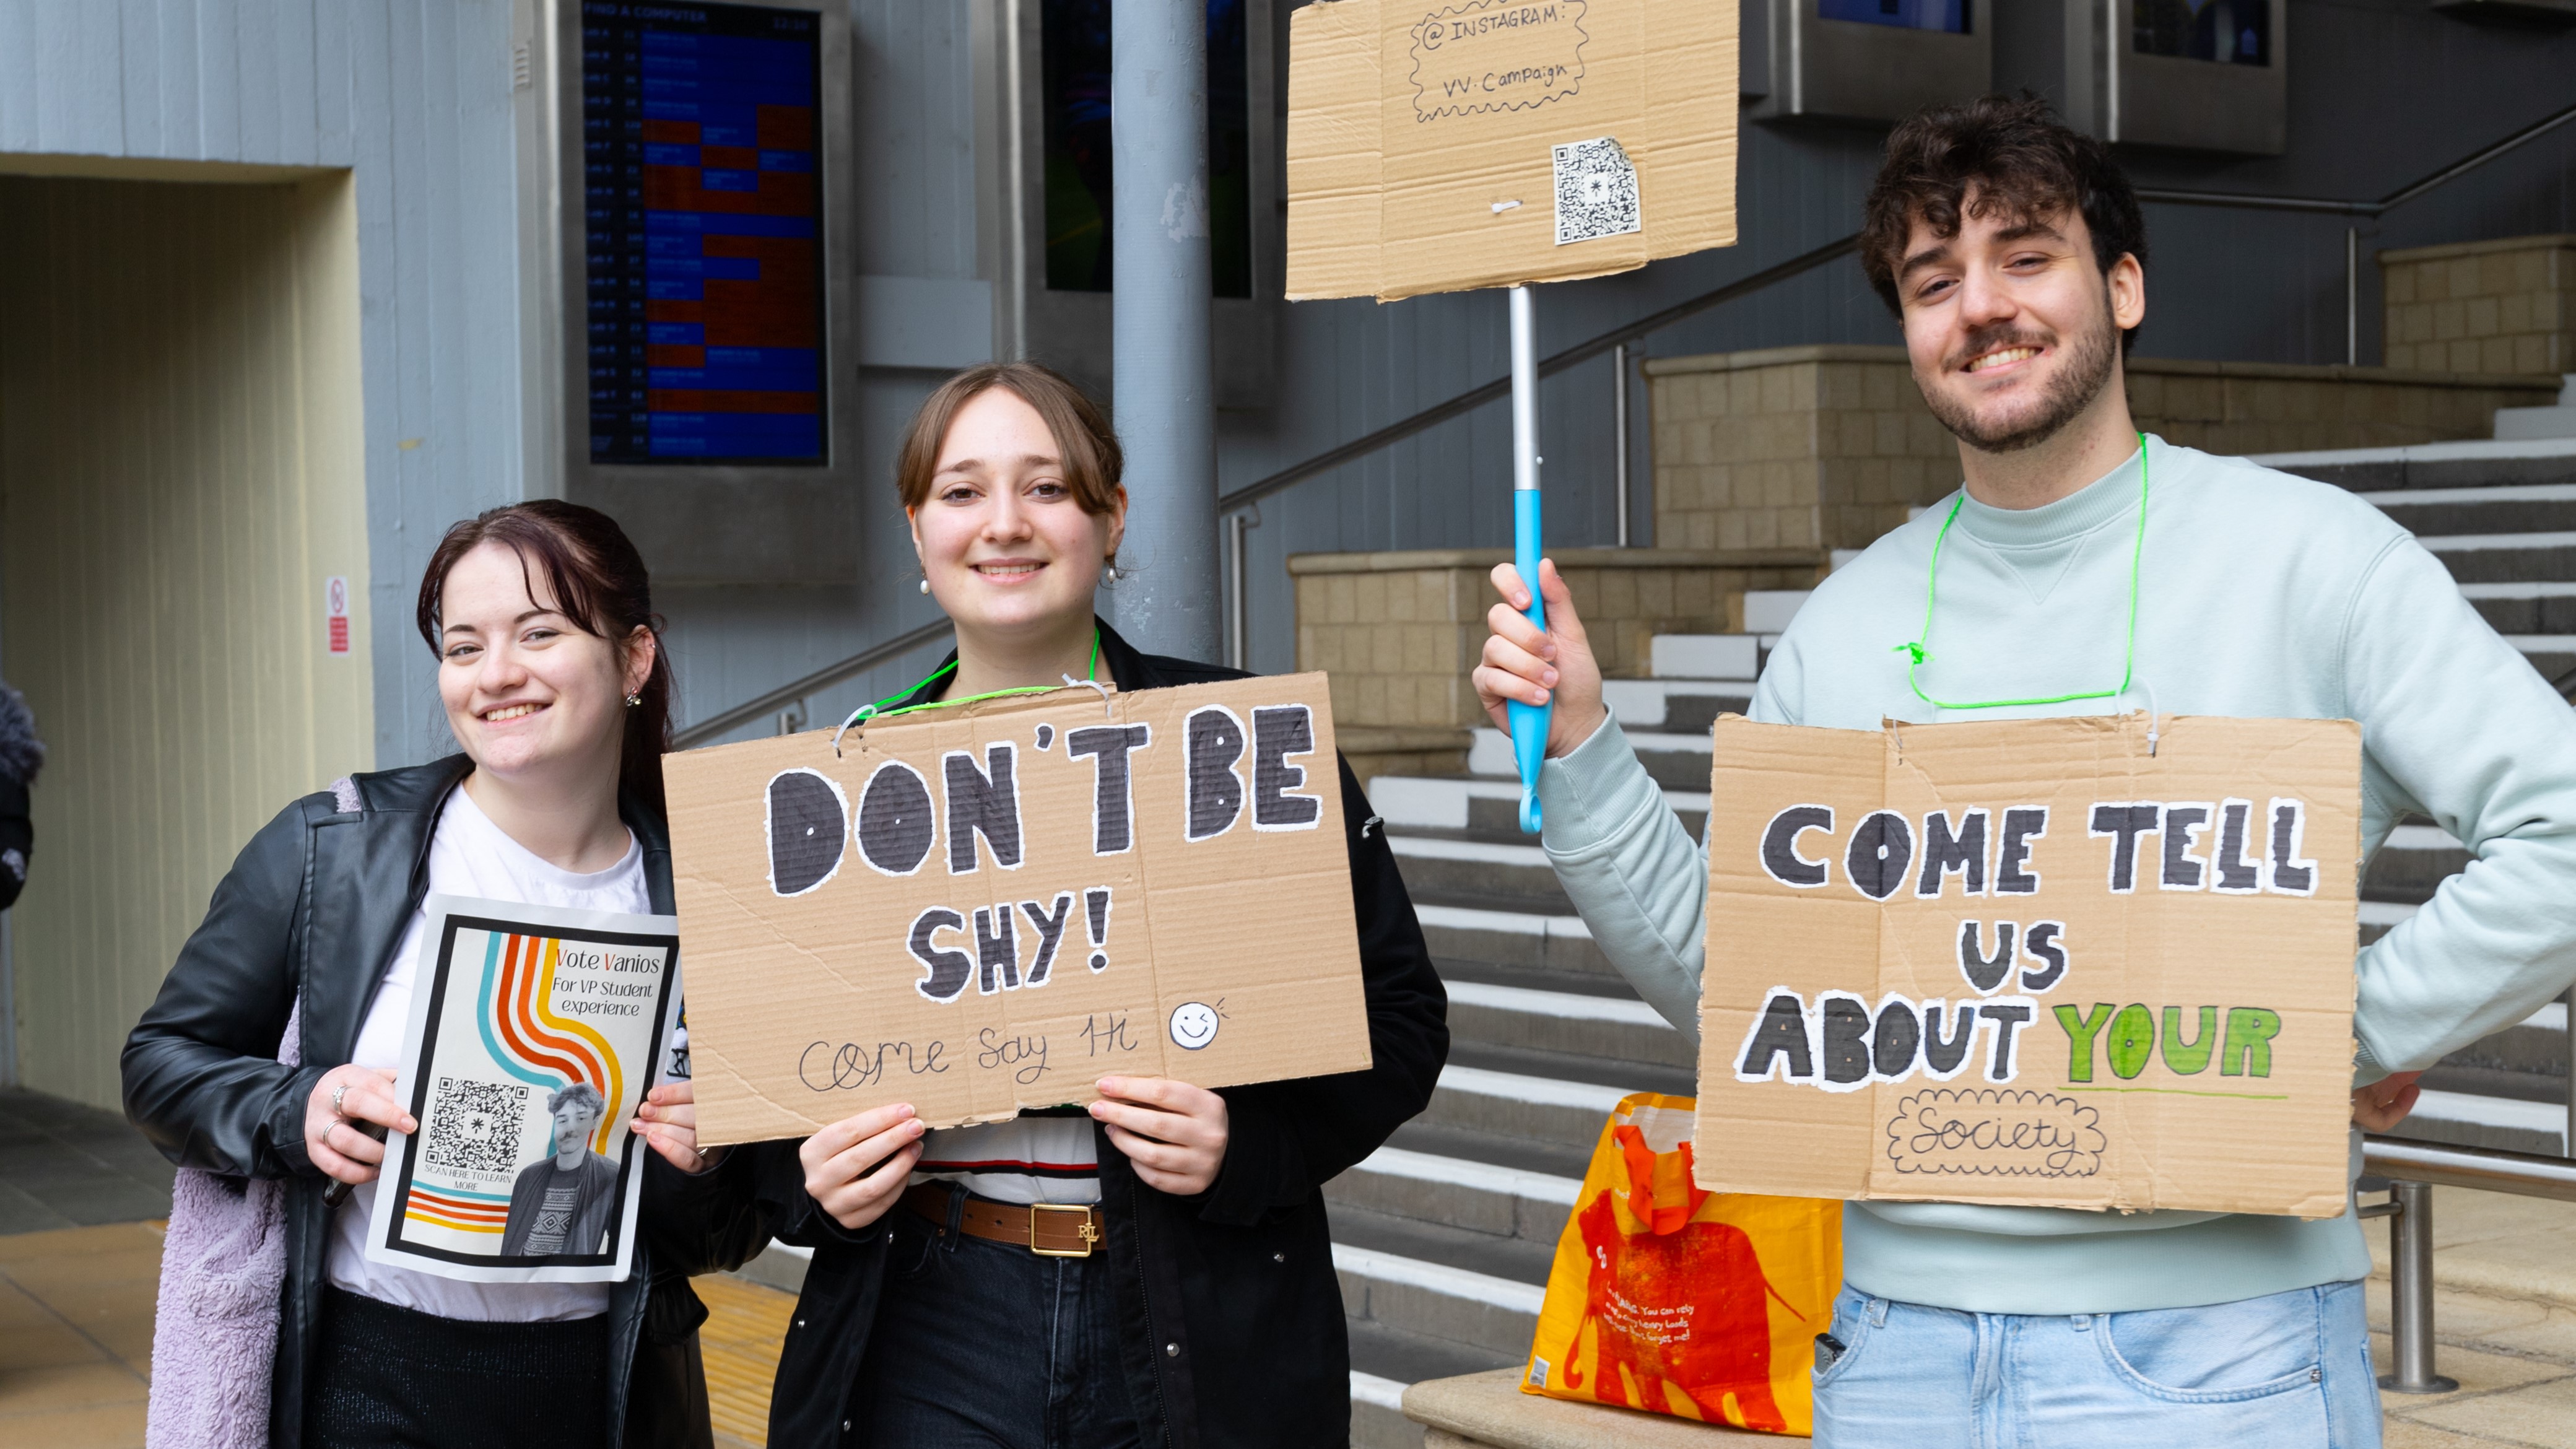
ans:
(1953, 16)
(704, 211)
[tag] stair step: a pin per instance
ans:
(2513, 508)
(1566, 1114)
(1681, 706)
(1559, 942)
(1678, 762)
(2525, 608)
(1479, 1197)
(1382, 1283)
(1485, 804)
(1434, 867)
(2469, 1120)
(2534, 424)
(1377, 1411)
(1705, 656)
(1597, 1026)
(2493, 558)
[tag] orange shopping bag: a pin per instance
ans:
(1667, 1298)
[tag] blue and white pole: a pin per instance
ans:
(1529, 721)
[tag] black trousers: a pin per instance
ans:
(981, 1345)
(389, 1376)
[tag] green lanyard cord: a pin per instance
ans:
(878, 710)
(1918, 650)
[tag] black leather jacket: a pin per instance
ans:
(312, 912)
(1230, 1311)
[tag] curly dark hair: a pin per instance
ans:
(2022, 163)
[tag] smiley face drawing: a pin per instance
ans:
(1193, 1024)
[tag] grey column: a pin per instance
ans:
(1166, 402)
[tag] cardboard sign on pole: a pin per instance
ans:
(991, 907)
(1437, 147)
(2030, 962)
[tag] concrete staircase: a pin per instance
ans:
(1443, 1238)
(2502, 516)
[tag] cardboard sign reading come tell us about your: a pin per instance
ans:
(992, 906)
(2030, 962)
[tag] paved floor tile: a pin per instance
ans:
(65, 1165)
(2404, 1435)
(2540, 1414)
(746, 1324)
(2478, 1372)
(73, 1386)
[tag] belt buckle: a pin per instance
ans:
(1089, 1234)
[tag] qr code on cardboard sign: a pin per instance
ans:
(1596, 191)
(474, 1126)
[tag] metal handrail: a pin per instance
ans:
(2488, 1169)
(2316, 205)
(2399, 197)
(2412, 1170)
(814, 683)
(1501, 387)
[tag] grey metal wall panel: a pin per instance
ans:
(913, 107)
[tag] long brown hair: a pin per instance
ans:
(1088, 446)
(599, 583)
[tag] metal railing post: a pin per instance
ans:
(1238, 598)
(1619, 423)
(2410, 1292)
(2352, 296)
(2567, 1043)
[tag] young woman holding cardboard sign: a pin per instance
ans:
(1162, 1257)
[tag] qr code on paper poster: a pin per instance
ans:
(1596, 191)
(474, 1126)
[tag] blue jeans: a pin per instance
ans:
(2287, 1371)
(982, 1345)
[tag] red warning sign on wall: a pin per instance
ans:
(335, 612)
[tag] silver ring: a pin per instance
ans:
(337, 1093)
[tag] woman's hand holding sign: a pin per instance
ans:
(1524, 664)
(857, 1167)
(1174, 1133)
(668, 1118)
(345, 1097)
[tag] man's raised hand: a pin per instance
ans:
(1524, 664)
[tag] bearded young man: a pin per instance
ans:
(2011, 250)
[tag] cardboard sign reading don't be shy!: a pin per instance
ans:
(992, 906)
(2032, 962)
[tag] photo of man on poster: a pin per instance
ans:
(561, 1202)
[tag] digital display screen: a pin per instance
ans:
(1074, 85)
(1949, 16)
(704, 211)
(2231, 32)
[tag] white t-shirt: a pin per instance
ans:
(1048, 1155)
(470, 856)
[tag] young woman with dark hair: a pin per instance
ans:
(1173, 1284)
(553, 679)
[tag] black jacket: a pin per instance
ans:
(1230, 1312)
(312, 912)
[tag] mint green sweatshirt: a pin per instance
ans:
(2261, 595)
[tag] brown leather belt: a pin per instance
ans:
(1050, 1230)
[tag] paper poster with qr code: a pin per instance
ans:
(535, 1032)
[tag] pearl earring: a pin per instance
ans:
(1113, 573)
(635, 701)
(925, 584)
